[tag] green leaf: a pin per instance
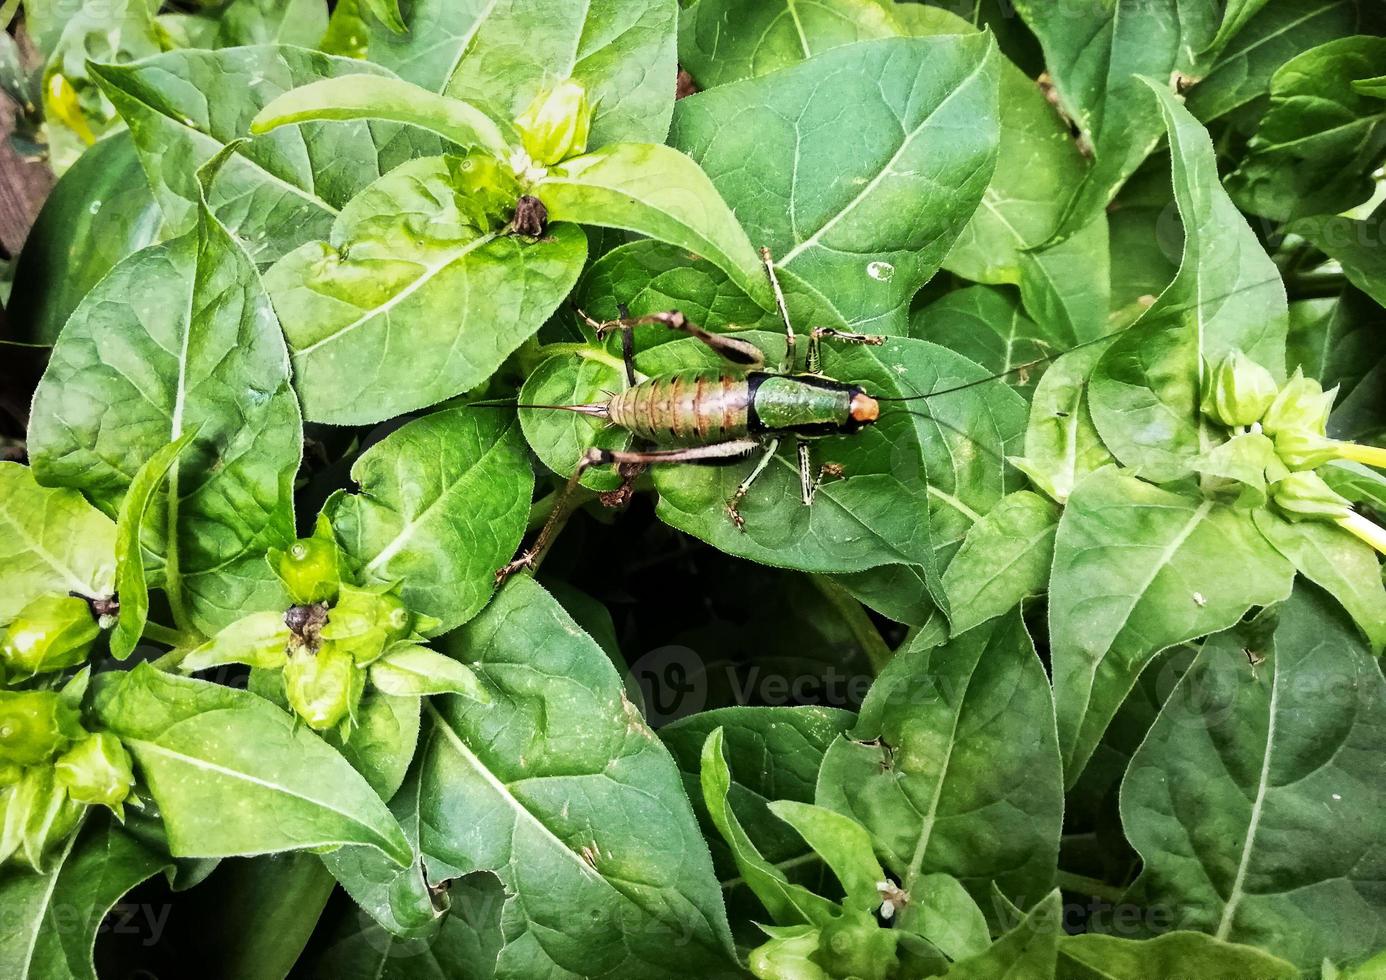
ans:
(278, 190)
(258, 639)
(1004, 558)
(560, 438)
(1357, 245)
(415, 670)
(656, 191)
(1029, 950)
(387, 12)
(54, 918)
(408, 303)
(1243, 460)
(355, 97)
(1278, 32)
(560, 788)
(947, 916)
(954, 767)
(101, 210)
(1337, 562)
(52, 541)
(1320, 140)
(989, 326)
(181, 337)
(858, 168)
(843, 844)
(1061, 443)
(499, 54)
(234, 775)
(1097, 55)
(132, 588)
(787, 903)
(1246, 800)
(443, 504)
(770, 36)
(300, 22)
(1146, 240)
(1138, 569)
(1096, 957)
(1227, 295)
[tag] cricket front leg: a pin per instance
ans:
(818, 334)
(531, 557)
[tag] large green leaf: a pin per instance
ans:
(1320, 140)
(1249, 801)
(500, 52)
(278, 190)
(443, 504)
(234, 775)
(1138, 569)
(1356, 244)
(53, 919)
(954, 766)
(1175, 954)
(725, 41)
(559, 787)
(408, 302)
(1004, 558)
(97, 214)
(52, 541)
(181, 336)
(1095, 53)
(858, 168)
(1227, 295)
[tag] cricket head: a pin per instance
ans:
(863, 409)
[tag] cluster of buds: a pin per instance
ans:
(52, 769)
(1242, 395)
(326, 641)
(53, 632)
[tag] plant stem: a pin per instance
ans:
(854, 616)
(589, 353)
(168, 636)
(1084, 885)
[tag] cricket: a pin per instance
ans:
(715, 415)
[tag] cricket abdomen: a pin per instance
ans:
(689, 409)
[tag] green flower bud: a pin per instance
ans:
(1302, 404)
(38, 816)
(854, 945)
(53, 632)
(10, 773)
(323, 688)
(786, 955)
(35, 726)
(555, 125)
(1238, 391)
(1302, 450)
(310, 569)
(1304, 496)
(486, 188)
(365, 622)
(97, 770)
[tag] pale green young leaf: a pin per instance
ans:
(1246, 799)
(1004, 558)
(51, 540)
(954, 766)
(408, 302)
(131, 584)
(234, 775)
(258, 639)
(859, 168)
(442, 504)
(414, 671)
(843, 844)
(560, 788)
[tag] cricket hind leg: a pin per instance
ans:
(731, 349)
(599, 457)
(787, 365)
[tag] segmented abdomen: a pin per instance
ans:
(684, 409)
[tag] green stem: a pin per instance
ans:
(169, 636)
(1364, 529)
(587, 352)
(1315, 285)
(1084, 885)
(854, 616)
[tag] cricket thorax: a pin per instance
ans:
(690, 408)
(805, 405)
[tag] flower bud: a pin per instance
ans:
(325, 687)
(854, 945)
(364, 622)
(36, 816)
(35, 726)
(1302, 450)
(1238, 391)
(1302, 404)
(486, 188)
(786, 955)
(97, 770)
(53, 632)
(310, 569)
(1304, 496)
(555, 125)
